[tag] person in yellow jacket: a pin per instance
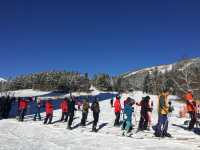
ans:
(163, 111)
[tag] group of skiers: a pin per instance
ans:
(165, 108)
(145, 114)
(68, 109)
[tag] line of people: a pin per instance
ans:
(68, 111)
(145, 123)
(67, 107)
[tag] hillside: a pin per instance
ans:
(159, 75)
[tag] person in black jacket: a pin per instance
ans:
(96, 110)
(143, 124)
(71, 111)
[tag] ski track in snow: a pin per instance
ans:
(31, 135)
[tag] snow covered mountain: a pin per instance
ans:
(164, 68)
(135, 79)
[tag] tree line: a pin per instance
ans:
(183, 76)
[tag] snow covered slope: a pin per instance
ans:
(164, 68)
(31, 135)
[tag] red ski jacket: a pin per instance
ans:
(49, 108)
(64, 106)
(23, 104)
(117, 106)
(190, 102)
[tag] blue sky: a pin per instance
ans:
(96, 35)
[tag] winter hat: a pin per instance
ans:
(147, 98)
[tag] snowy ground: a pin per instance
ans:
(31, 135)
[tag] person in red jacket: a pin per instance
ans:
(23, 104)
(191, 108)
(117, 108)
(49, 112)
(64, 107)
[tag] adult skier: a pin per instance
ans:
(96, 110)
(65, 110)
(49, 112)
(38, 106)
(163, 111)
(85, 110)
(144, 117)
(117, 109)
(191, 108)
(72, 109)
(23, 105)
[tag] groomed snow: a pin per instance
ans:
(31, 135)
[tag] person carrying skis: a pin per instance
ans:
(85, 110)
(191, 108)
(37, 107)
(127, 122)
(23, 105)
(96, 110)
(72, 109)
(65, 110)
(117, 109)
(144, 118)
(49, 112)
(163, 111)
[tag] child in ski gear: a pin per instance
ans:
(85, 110)
(23, 104)
(96, 110)
(117, 107)
(191, 108)
(128, 111)
(65, 111)
(145, 109)
(38, 107)
(49, 112)
(163, 111)
(72, 109)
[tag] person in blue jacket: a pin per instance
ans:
(127, 122)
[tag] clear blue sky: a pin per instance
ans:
(96, 35)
